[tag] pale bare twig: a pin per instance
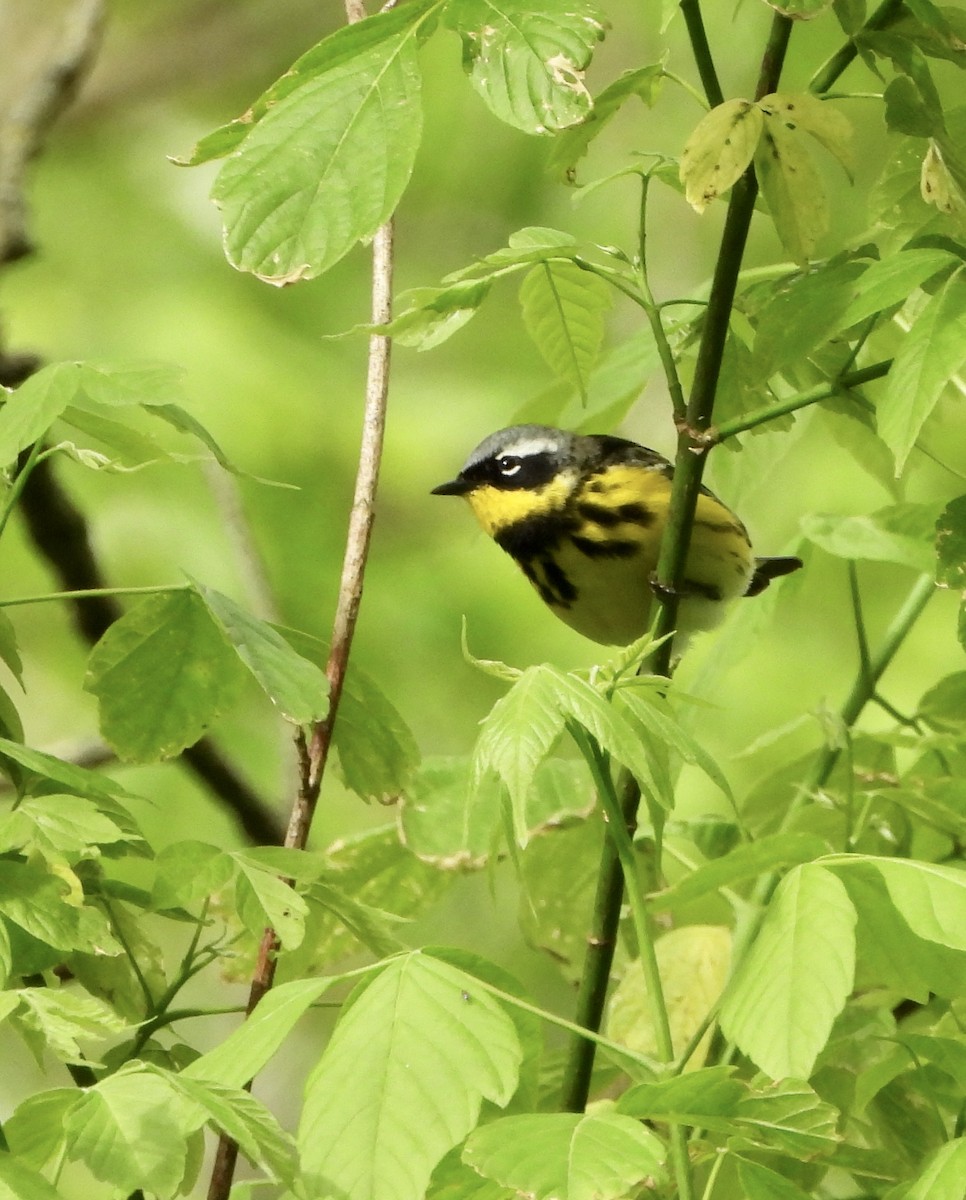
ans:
(314, 750)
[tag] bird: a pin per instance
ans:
(583, 516)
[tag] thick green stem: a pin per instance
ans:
(832, 68)
(697, 34)
(609, 893)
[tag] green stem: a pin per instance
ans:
(698, 36)
(867, 682)
(692, 91)
(644, 933)
(861, 637)
(781, 408)
(653, 311)
(84, 593)
(20, 482)
(689, 463)
(833, 67)
(863, 691)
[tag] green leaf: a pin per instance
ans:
(781, 1003)
(61, 825)
(563, 311)
(40, 904)
(930, 897)
(801, 315)
(620, 374)
(523, 726)
(572, 144)
(129, 1130)
(162, 673)
(718, 151)
(21, 1182)
(35, 1129)
(694, 962)
(447, 821)
(943, 1175)
(761, 1183)
(188, 871)
(246, 1121)
(68, 777)
(951, 544)
(907, 112)
(326, 153)
(559, 877)
(899, 533)
(690, 1099)
(929, 355)
(60, 1019)
(9, 653)
(943, 706)
(418, 1050)
(570, 1156)
(527, 61)
(377, 872)
(517, 734)
(890, 281)
(264, 900)
(373, 928)
(29, 412)
(659, 719)
(427, 317)
(121, 384)
(747, 861)
(791, 186)
(254, 1042)
(586, 707)
(298, 689)
(789, 1116)
(378, 753)
(181, 420)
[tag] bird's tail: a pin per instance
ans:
(767, 569)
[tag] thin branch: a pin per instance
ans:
(313, 752)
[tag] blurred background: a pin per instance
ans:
(128, 266)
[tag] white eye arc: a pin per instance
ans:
(508, 465)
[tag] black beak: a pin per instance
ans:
(455, 487)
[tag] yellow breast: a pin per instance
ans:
(590, 548)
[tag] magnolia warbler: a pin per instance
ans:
(583, 517)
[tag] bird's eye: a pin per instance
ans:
(508, 464)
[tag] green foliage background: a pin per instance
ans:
(130, 267)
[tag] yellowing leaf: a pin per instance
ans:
(719, 150)
(802, 110)
(791, 186)
(694, 962)
(937, 184)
